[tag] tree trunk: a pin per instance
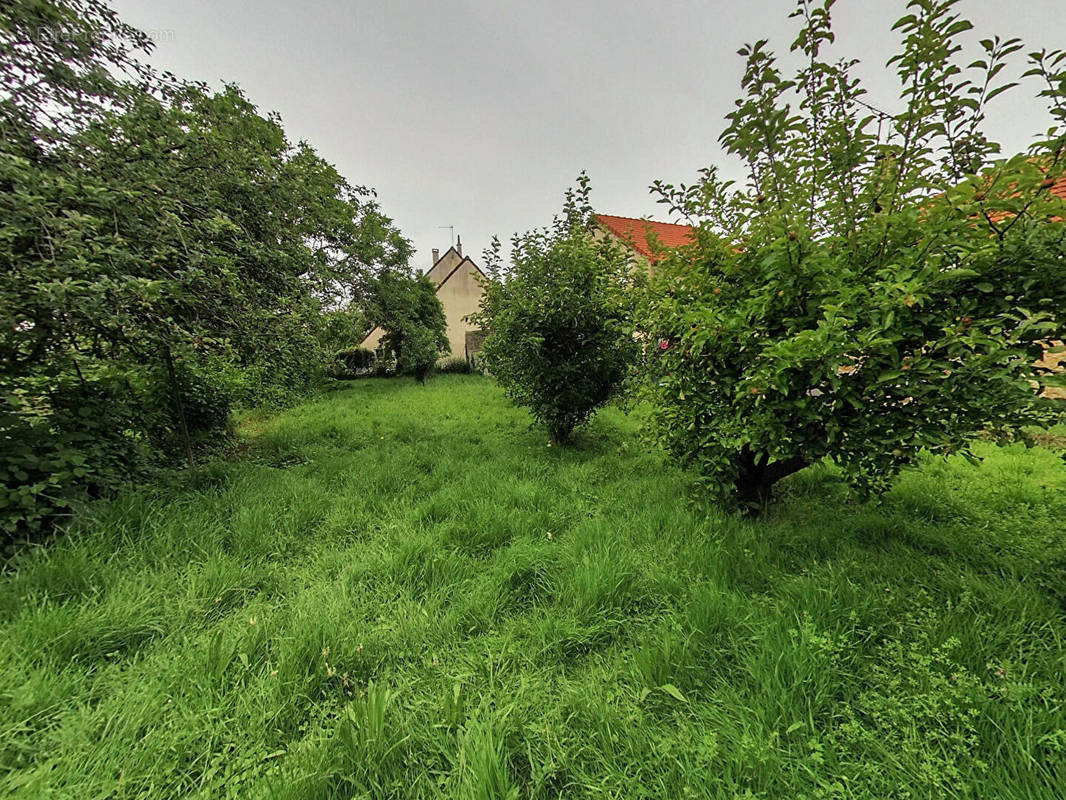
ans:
(757, 475)
(179, 408)
(561, 431)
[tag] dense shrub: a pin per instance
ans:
(881, 286)
(420, 349)
(353, 362)
(558, 338)
(54, 457)
(456, 365)
(205, 401)
(94, 435)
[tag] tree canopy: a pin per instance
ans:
(407, 309)
(881, 284)
(165, 250)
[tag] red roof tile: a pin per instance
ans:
(1059, 189)
(635, 233)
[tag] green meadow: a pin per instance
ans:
(396, 591)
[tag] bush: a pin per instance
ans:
(353, 362)
(52, 461)
(419, 353)
(880, 288)
(101, 431)
(206, 403)
(456, 365)
(558, 338)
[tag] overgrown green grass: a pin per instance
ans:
(405, 592)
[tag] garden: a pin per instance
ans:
(774, 513)
(407, 591)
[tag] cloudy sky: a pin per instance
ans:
(479, 113)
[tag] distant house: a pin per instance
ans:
(638, 234)
(456, 277)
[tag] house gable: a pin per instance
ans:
(444, 265)
(459, 290)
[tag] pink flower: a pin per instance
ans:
(664, 345)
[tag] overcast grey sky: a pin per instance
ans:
(479, 114)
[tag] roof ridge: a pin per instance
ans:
(644, 219)
(456, 269)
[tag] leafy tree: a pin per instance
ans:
(164, 252)
(420, 351)
(408, 310)
(881, 285)
(558, 338)
(342, 329)
(65, 64)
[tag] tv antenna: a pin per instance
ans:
(450, 228)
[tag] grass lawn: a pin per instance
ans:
(405, 592)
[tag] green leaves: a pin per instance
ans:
(560, 330)
(408, 310)
(674, 692)
(882, 283)
(143, 216)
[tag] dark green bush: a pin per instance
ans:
(420, 351)
(456, 365)
(206, 404)
(52, 460)
(559, 338)
(353, 362)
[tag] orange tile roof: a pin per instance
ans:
(635, 233)
(1059, 188)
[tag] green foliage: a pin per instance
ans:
(342, 329)
(161, 246)
(403, 592)
(353, 362)
(50, 462)
(483, 760)
(881, 286)
(419, 350)
(559, 340)
(63, 63)
(367, 741)
(409, 312)
(456, 365)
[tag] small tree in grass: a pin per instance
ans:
(419, 352)
(411, 314)
(558, 339)
(882, 284)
